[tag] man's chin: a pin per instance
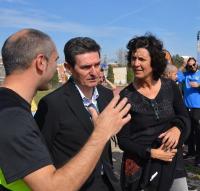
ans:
(93, 84)
(192, 71)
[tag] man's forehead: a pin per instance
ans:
(96, 53)
(192, 61)
(88, 58)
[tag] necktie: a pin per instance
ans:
(97, 110)
(93, 106)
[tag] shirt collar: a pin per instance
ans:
(87, 101)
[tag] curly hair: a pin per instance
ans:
(155, 49)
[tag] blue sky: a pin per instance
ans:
(110, 22)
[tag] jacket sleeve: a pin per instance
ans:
(129, 146)
(181, 119)
(47, 118)
(180, 77)
(41, 113)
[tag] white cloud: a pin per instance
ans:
(144, 5)
(123, 16)
(11, 18)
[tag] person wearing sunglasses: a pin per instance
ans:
(152, 140)
(190, 79)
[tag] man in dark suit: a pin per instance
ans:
(64, 118)
(29, 57)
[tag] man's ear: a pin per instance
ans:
(41, 62)
(68, 67)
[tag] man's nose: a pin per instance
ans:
(93, 70)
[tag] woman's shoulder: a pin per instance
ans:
(127, 90)
(167, 82)
(168, 87)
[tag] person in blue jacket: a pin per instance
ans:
(190, 78)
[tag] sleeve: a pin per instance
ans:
(180, 77)
(22, 149)
(41, 111)
(182, 119)
(47, 118)
(125, 142)
(129, 146)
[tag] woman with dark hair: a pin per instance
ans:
(152, 140)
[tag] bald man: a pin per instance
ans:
(29, 57)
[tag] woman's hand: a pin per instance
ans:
(170, 138)
(163, 154)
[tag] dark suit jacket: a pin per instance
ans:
(66, 126)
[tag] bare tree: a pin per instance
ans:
(121, 57)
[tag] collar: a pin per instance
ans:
(87, 101)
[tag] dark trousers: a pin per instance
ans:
(194, 137)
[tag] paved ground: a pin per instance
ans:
(193, 179)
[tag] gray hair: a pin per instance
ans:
(21, 48)
(170, 68)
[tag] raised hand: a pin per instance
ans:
(113, 117)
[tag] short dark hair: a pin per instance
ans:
(21, 48)
(79, 45)
(155, 49)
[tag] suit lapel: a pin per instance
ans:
(101, 100)
(76, 105)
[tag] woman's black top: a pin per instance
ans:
(151, 117)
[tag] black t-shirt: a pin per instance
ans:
(22, 148)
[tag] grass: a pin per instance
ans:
(193, 169)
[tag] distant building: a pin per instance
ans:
(185, 58)
(63, 75)
(2, 71)
(120, 75)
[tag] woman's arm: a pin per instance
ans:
(180, 125)
(182, 119)
(163, 154)
(127, 145)
(143, 151)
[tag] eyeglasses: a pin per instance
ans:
(191, 66)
